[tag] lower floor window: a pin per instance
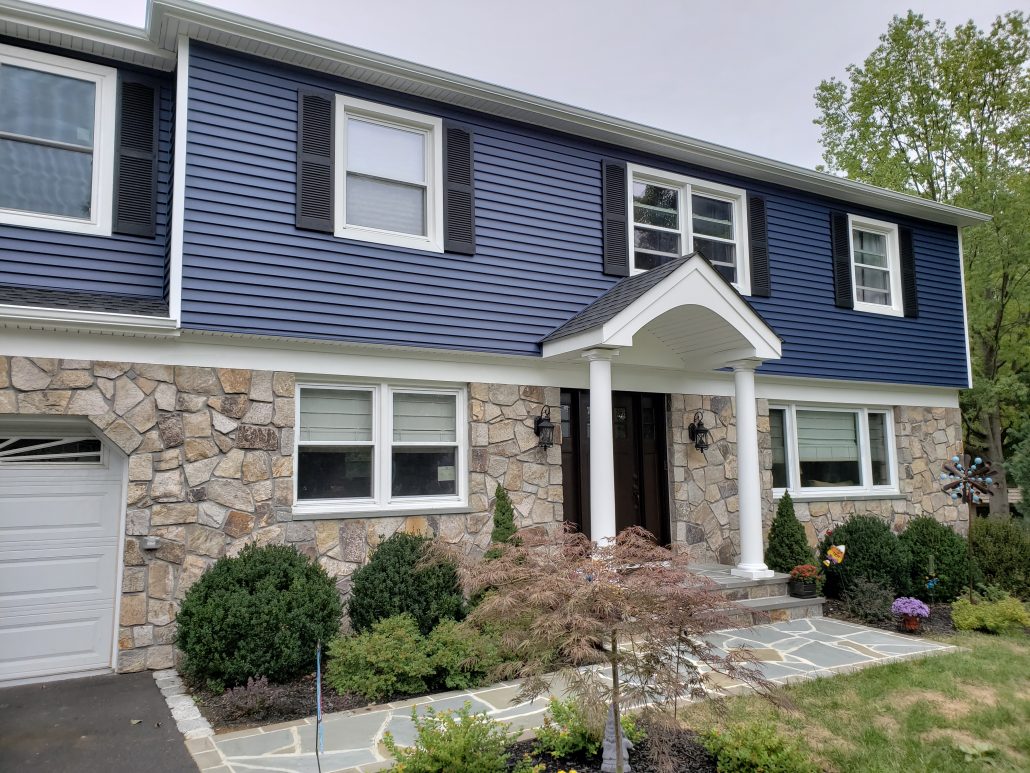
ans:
(820, 448)
(382, 446)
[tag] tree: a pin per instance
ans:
(788, 545)
(504, 521)
(946, 116)
(564, 602)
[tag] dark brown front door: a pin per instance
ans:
(638, 426)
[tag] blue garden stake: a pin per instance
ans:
(319, 730)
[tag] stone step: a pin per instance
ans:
(773, 609)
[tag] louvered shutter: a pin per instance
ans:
(315, 161)
(135, 189)
(840, 241)
(758, 244)
(459, 220)
(615, 207)
(909, 290)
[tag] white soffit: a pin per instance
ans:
(154, 46)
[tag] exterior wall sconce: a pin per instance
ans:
(699, 434)
(544, 428)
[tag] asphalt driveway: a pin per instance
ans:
(86, 725)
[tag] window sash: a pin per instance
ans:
(877, 256)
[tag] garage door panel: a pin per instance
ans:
(77, 511)
(57, 576)
(48, 642)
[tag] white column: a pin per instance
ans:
(602, 445)
(749, 477)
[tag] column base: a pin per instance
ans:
(752, 571)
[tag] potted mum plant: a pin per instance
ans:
(804, 582)
(911, 611)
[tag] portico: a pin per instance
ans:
(683, 316)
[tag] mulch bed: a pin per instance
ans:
(277, 703)
(937, 624)
(686, 750)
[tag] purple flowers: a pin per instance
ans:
(909, 607)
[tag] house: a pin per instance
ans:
(261, 287)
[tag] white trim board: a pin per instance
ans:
(322, 362)
(180, 139)
(95, 320)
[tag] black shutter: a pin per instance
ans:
(315, 161)
(135, 189)
(909, 293)
(840, 240)
(758, 244)
(614, 208)
(459, 205)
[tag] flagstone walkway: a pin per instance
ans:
(787, 651)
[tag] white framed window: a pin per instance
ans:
(673, 215)
(875, 266)
(57, 127)
(389, 186)
(824, 450)
(380, 448)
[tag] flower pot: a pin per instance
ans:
(802, 589)
(910, 623)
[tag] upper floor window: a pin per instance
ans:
(57, 119)
(820, 449)
(389, 175)
(875, 265)
(674, 215)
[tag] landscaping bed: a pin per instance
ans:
(937, 624)
(686, 749)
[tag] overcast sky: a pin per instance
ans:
(737, 72)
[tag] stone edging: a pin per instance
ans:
(187, 716)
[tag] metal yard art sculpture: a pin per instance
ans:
(970, 482)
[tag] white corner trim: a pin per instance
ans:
(965, 311)
(182, 92)
(94, 320)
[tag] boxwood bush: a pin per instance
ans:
(932, 545)
(397, 581)
(873, 552)
(1001, 550)
(258, 614)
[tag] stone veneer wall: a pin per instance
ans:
(706, 509)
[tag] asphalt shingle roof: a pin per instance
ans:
(81, 301)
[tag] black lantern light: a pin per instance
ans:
(544, 428)
(699, 434)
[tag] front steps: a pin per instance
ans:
(754, 602)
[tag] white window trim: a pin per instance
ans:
(686, 186)
(433, 129)
(382, 502)
(106, 80)
(817, 493)
(890, 230)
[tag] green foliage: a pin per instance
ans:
(397, 580)
(788, 545)
(1001, 552)
(1018, 465)
(873, 552)
(932, 545)
(570, 730)
(260, 613)
(461, 655)
(388, 660)
(868, 600)
(504, 520)
(1000, 616)
(453, 742)
(943, 115)
(751, 747)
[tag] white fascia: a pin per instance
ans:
(34, 317)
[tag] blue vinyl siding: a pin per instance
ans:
(122, 265)
(247, 269)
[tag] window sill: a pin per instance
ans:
(884, 311)
(838, 496)
(389, 238)
(309, 513)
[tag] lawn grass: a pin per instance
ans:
(908, 716)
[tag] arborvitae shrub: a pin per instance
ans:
(788, 545)
(872, 552)
(504, 521)
(397, 581)
(925, 537)
(260, 613)
(1000, 548)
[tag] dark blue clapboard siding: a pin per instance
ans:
(247, 268)
(124, 265)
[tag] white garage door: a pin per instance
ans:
(60, 508)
